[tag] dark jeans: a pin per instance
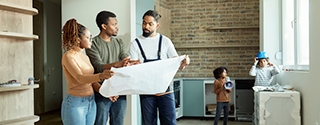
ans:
(164, 104)
(116, 110)
(225, 107)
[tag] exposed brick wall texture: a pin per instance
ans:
(190, 22)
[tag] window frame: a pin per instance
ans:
(295, 22)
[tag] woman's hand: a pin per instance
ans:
(106, 74)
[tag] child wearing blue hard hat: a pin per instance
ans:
(263, 69)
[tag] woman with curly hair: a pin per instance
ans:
(78, 106)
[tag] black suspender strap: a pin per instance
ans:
(159, 46)
(142, 52)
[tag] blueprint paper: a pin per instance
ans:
(146, 78)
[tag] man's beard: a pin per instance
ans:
(147, 34)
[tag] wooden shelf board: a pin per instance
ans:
(23, 120)
(239, 27)
(18, 35)
(22, 87)
(213, 46)
(17, 8)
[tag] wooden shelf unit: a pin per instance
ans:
(17, 102)
(236, 27)
(213, 46)
(18, 35)
(21, 121)
(15, 88)
(18, 8)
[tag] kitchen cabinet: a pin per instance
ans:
(198, 94)
(193, 98)
(244, 99)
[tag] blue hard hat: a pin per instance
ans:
(262, 55)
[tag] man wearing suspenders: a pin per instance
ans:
(152, 46)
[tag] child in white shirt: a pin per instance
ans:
(263, 70)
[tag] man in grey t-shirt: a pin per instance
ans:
(108, 51)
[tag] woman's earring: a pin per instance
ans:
(78, 40)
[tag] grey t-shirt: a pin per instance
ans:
(102, 52)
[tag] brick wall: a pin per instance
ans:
(191, 21)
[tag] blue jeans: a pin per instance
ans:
(166, 106)
(105, 106)
(225, 107)
(78, 110)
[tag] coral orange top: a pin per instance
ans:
(79, 73)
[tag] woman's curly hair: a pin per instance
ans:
(70, 32)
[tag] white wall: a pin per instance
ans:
(85, 12)
(270, 28)
(305, 82)
(141, 7)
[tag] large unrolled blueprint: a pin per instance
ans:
(146, 78)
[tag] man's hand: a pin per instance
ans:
(114, 98)
(133, 62)
(185, 62)
(122, 63)
(96, 86)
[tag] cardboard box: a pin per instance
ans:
(211, 107)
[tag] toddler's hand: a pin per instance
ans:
(255, 60)
(270, 64)
(228, 90)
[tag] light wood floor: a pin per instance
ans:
(53, 118)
